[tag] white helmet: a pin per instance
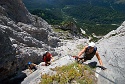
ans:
(92, 44)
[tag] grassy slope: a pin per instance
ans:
(72, 73)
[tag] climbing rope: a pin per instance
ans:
(96, 71)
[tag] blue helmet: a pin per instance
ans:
(29, 62)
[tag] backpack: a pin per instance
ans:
(91, 55)
(45, 57)
(95, 48)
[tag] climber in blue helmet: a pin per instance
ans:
(29, 63)
(31, 66)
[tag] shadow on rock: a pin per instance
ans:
(15, 79)
(94, 65)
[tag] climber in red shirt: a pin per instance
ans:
(47, 58)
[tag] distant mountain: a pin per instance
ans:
(116, 4)
(87, 14)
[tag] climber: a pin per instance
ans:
(32, 66)
(88, 53)
(47, 58)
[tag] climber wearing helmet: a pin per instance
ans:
(89, 52)
(31, 66)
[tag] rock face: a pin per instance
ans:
(112, 51)
(7, 56)
(24, 37)
(15, 10)
(68, 48)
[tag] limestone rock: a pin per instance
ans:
(112, 51)
(26, 32)
(53, 41)
(7, 56)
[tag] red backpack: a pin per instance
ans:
(47, 57)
